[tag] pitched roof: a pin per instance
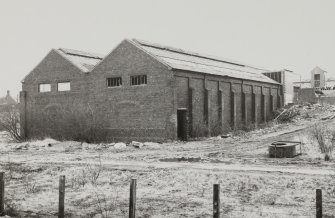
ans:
(7, 100)
(191, 61)
(83, 60)
(318, 69)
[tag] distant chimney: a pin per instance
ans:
(8, 94)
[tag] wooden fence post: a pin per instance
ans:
(318, 203)
(216, 201)
(132, 199)
(61, 197)
(2, 193)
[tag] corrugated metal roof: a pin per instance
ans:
(83, 60)
(191, 61)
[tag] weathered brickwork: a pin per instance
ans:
(53, 69)
(239, 92)
(214, 104)
(145, 112)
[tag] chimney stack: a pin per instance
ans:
(8, 93)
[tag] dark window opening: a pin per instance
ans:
(182, 127)
(115, 81)
(317, 80)
(138, 80)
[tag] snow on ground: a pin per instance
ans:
(173, 179)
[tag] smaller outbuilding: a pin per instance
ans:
(287, 78)
(6, 102)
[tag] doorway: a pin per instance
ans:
(182, 124)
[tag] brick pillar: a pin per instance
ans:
(23, 114)
(206, 109)
(187, 126)
(233, 110)
(190, 110)
(279, 105)
(244, 108)
(263, 107)
(254, 108)
(271, 103)
(221, 108)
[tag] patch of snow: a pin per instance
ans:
(120, 145)
(153, 145)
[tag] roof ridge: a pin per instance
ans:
(83, 60)
(192, 61)
(195, 54)
(81, 53)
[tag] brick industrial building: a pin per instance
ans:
(151, 92)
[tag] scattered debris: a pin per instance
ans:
(48, 142)
(287, 115)
(136, 144)
(21, 147)
(120, 145)
(182, 159)
(328, 117)
(110, 145)
(153, 145)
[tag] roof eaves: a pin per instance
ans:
(195, 54)
(138, 45)
(22, 81)
(107, 55)
(268, 80)
(81, 53)
(64, 56)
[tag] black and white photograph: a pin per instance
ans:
(167, 109)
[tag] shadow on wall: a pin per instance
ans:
(327, 100)
(71, 121)
(308, 95)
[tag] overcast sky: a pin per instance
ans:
(293, 34)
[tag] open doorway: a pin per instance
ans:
(182, 124)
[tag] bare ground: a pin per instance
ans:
(174, 179)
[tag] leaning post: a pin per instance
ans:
(132, 199)
(61, 197)
(216, 201)
(2, 193)
(318, 203)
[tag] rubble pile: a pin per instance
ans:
(287, 115)
(305, 111)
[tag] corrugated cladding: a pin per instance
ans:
(190, 61)
(83, 60)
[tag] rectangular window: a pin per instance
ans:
(316, 76)
(44, 87)
(114, 81)
(138, 80)
(63, 86)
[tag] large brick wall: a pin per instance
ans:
(147, 112)
(232, 103)
(53, 69)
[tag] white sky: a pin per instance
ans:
(293, 34)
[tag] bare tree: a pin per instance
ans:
(9, 122)
(325, 139)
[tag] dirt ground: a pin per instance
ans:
(173, 179)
